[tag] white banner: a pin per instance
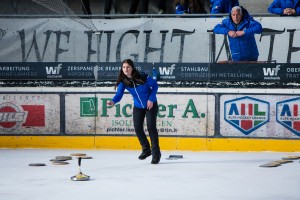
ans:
(185, 115)
(29, 114)
(142, 39)
(260, 116)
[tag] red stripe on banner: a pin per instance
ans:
(246, 124)
(295, 110)
(296, 126)
(250, 109)
(35, 116)
(243, 109)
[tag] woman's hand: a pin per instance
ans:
(110, 103)
(149, 105)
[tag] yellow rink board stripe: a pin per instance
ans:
(166, 143)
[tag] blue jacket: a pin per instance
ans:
(242, 48)
(141, 93)
(182, 9)
(278, 6)
(222, 6)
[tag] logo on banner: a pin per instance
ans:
(88, 106)
(167, 72)
(12, 116)
(54, 72)
(271, 73)
(288, 114)
(246, 114)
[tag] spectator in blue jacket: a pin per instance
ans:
(143, 89)
(240, 28)
(182, 7)
(285, 7)
(222, 6)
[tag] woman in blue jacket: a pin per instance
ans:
(143, 90)
(240, 28)
(285, 7)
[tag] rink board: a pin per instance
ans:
(166, 143)
(188, 119)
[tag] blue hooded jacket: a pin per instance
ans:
(182, 9)
(278, 6)
(141, 93)
(242, 48)
(222, 6)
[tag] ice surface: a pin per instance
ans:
(119, 175)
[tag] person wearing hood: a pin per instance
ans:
(285, 7)
(222, 6)
(240, 28)
(143, 89)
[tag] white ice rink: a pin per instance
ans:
(119, 175)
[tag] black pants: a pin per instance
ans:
(134, 5)
(139, 115)
(86, 9)
(162, 5)
(107, 6)
(198, 6)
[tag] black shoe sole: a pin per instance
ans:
(145, 156)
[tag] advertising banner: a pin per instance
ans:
(180, 114)
(47, 71)
(148, 40)
(186, 115)
(257, 72)
(261, 116)
(82, 113)
(37, 114)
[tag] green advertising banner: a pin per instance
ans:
(178, 115)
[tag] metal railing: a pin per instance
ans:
(119, 16)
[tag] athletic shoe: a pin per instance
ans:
(145, 153)
(156, 158)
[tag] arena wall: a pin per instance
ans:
(198, 119)
(57, 75)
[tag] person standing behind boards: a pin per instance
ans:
(134, 6)
(285, 7)
(240, 28)
(182, 7)
(222, 6)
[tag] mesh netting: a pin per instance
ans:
(77, 10)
